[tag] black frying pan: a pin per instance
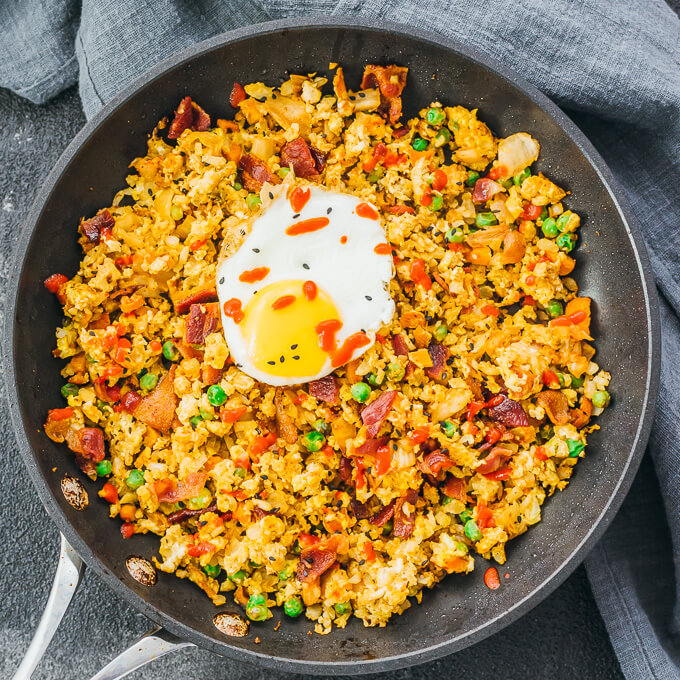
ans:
(612, 268)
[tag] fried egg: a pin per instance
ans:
(307, 289)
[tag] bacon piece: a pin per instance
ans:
(307, 161)
(169, 491)
(314, 561)
(188, 115)
(370, 447)
(203, 320)
(435, 461)
(359, 509)
(509, 412)
(391, 81)
(556, 406)
(88, 445)
(238, 94)
(92, 228)
(399, 345)
(157, 409)
(580, 416)
(284, 423)
(438, 354)
(210, 375)
(375, 413)
(485, 189)
(345, 469)
(207, 295)
(455, 488)
(403, 523)
(255, 172)
(325, 388)
(496, 459)
(261, 512)
(186, 513)
(382, 516)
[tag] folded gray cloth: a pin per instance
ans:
(613, 64)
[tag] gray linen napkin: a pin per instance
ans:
(614, 65)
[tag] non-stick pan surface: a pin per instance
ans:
(612, 268)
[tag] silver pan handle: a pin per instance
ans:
(66, 581)
(156, 643)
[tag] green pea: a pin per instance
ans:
(395, 371)
(375, 175)
(206, 415)
(212, 570)
(285, 573)
(462, 547)
(442, 137)
(566, 242)
(576, 382)
(238, 186)
(256, 609)
(360, 392)
(240, 472)
(554, 308)
(148, 381)
(465, 516)
(103, 468)
(575, 447)
(486, 219)
(69, 390)
(441, 331)
(435, 116)
(170, 351)
(216, 395)
(505, 183)
(445, 500)
(293, 607)
(195, 420)
(254, 565)
(176, 213)
(549, 228)
(313, 441)
(237, 576)
(342, 608)
(521, 176)
(437, 202)
(252, 201)
(419, 144)
(320, 426)
(282, 172)
(388, 527)
(135, 479)
(296, 548)
(547, 431)
(563, 221)
(372, 380)
(101, 405)
(199, 502)
(472, 531)
(544, 214)
(448, 428)
(562, 379)
(454, 235)
(472, 177)
(601, 399)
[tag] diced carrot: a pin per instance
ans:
(369, 552)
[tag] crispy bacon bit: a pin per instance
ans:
(284, 423)
(203, 320)
(314, 561)
(169, 491)
(556, 406)
(210, 375)
(496, 459)
(391, 81)
(157, 409)
(384, 515)
(399, 345)
(238, 94)
(261, 512)
(509, 412)
(580, 416)
(307, 161)
(88, 445)
(188, 115)
(255, 172)
(485, 189)
(185, 513)
(403, 523)
(438, 354)
(345, 469)
(375, 413)
(455, 488)
(92, 229)
(370, 447)
(435, 461)
(326, 389)
(359, 509)
(207, 295)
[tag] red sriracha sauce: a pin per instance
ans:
(307, 226)
(344, 353)
(298, 198)
(367, 211)
(383, 249)
(309, 290)
(254, 275)
(232, 309)
(326, 330)
(418, 274)
(283, 301)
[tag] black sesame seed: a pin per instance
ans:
(329, 211)
(449, 361)
(243, 232)
(445, 375)
(368, 297)
(296, 216)
(459, 183)
(258, 430)
(271, 195)
(92, 333)
(256, 250)
(221, 281)
(362, 562)
(264, 477)
(273, 95)
(272, 558)
(296, 357)
(305, 266)
(361, 94)
(282, 359)
(262, 100)
(271, 363)
(294, 346)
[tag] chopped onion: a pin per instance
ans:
(517, 152)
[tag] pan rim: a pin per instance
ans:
(559, 574)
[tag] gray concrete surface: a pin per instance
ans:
(564, 637)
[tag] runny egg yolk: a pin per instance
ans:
(280, 332)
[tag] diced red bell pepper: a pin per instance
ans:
(109, 493)
(231, 415)
(127, 530)
(531, 212)
(59, 414)
(418, 436)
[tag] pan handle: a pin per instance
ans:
(154, 644)
(66, 582)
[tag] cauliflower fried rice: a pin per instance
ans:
(349, 494)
